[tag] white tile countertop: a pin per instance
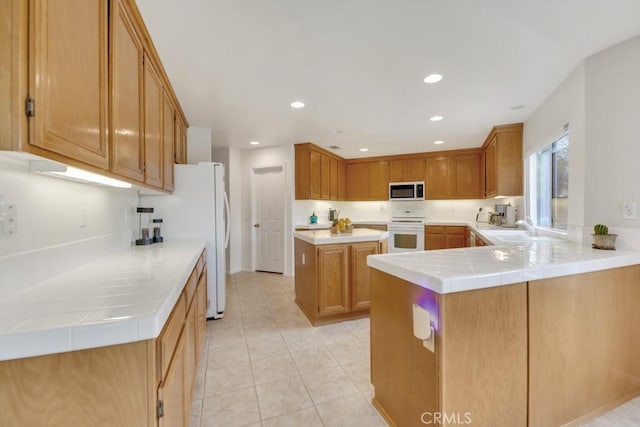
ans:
(515, 257)
(123, 297)
(324, 237)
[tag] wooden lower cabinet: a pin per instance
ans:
(120, 385)
(332, 282)
(551, 352)
(478, 370)
(444, 237)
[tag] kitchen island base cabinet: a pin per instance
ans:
(332, 281)
(478, 371)
(584, 345)
(144, 384)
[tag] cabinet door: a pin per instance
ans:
(325, 176)
(384, 246)
(333, 279)
(438, 180)
(201, 315)
(171, 391)
(358, 181)
(396, 171)
(334, 179)
(342, 181)
(361, 274)
(455, 241)
(153, 103)
(434, 237)
(509, 168)
(168, 136)
(414, 170)
(68, 79)
(491, 168)
(180, 140)
(190, 347)
(315, 169)
(379, 181)
(466, 179)
(127, 142)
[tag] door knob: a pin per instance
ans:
(256, 225)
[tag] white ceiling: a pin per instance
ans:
(359, 65)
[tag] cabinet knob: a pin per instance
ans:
(256, 225)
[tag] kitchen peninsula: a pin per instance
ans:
(536, 332)
(332, 279)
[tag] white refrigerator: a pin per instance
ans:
(198, 208)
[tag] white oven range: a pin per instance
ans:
(406, 231)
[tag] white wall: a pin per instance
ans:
(565, 105)
(613, 134)
(48, 216)
(601, 102)
(263, 158)
(198, 145)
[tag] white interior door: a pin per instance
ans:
(269, 225)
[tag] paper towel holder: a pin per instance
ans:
(422, 328)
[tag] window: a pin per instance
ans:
(549, 184)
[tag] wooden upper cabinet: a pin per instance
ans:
(325, 177)
(467, 177)
(68, 79)
(168, 145)
(315, 171)
(180, 155)
(358, 179)
(153, 142)
(438, 181)
(127, 95)
(342, 180)
(319, 174)
(503, 161)
(379, 180)
(334, 179)
(404, 170)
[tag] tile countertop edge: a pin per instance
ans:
(324, 237)
(41, 342)
(443, 284)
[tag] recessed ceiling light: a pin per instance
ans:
(436, 118)
(255, 143)
(438, 142)
(297, 104)
(433, 78)
(364, 149)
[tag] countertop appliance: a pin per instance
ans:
(199, 209)
(406, 231)
(406, 190)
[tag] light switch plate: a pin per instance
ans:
(8, 219)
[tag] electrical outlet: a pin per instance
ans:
(8, 219)
(629, 210)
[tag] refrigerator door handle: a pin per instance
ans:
(227, 232)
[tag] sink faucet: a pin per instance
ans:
(528, 224)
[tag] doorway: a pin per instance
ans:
(269, 219)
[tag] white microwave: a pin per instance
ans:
(406, 190)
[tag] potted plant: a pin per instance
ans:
(602, 239)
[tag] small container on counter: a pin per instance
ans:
(157, 230)
(144, 223)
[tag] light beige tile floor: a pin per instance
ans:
(265, 365)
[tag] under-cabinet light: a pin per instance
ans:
(58, 170)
